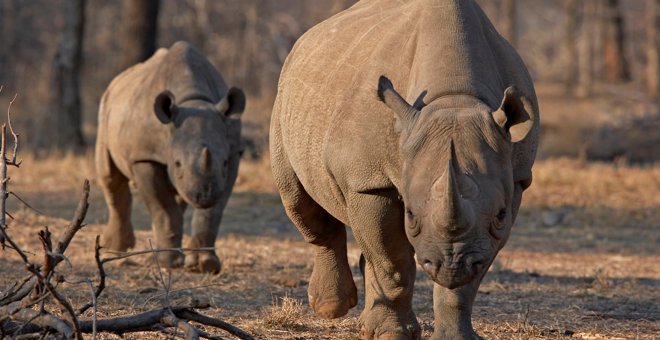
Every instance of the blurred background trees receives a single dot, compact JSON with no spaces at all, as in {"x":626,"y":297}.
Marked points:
{"x":138,"y":29}
{"x":591,"y":49}
{"x":65,"y":92}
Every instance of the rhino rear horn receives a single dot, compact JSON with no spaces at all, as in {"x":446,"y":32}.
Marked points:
{"x":405,"y":113}
{"x":165,"y":107}
{"x":514,"y":115}
{"x":233,"y":103}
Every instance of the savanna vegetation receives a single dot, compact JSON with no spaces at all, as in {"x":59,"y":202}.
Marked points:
{"x":583,"y":257}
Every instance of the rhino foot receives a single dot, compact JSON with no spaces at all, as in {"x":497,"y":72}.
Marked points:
{"x":205,"y":262}
{"x":379,"y":324}
{"x":170,"y":259}
{"x":441,"y":334}
{"x":117,"y":241}
{"x":331,"y":294}
{"x":393,"y":335}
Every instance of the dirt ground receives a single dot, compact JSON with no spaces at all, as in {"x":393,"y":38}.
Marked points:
{"x":583,"y":260}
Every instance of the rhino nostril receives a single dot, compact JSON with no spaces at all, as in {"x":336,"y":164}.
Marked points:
{"x":431,"y":268}
{"x":478,"y":264}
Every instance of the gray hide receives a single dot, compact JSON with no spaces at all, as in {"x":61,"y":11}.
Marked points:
{"x":172,"y":127}
{"x":416,"y":124}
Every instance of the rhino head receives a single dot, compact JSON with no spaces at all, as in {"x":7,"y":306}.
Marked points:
{"x":457,"y":179}
{"x":204,"y":141}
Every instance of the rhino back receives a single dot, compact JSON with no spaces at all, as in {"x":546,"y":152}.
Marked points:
{"x":127,"y":120}
{"x":335,"y":131}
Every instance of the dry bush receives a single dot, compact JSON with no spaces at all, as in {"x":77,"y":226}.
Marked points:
{"x":285,"y":312}
{"x":570,"y":182}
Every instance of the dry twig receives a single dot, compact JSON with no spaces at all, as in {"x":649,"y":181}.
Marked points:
{"x":17,"y":317}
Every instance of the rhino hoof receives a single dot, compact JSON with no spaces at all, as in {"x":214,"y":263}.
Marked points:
{"x":121,"y":242}
{"x":364,"y":334}
{"x":332,"y":309}
{"x":170,"y":259}
{"x":203,"y":263}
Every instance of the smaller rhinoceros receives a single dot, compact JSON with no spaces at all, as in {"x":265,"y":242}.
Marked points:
{"x":172,"y":127}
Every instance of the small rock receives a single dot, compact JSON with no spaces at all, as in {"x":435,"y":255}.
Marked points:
{"x":288,"y":281}
{"x":127,"y":263}
{"x":552,"y":218}
{"x":148,"y":290}
{"x":199,"y":302}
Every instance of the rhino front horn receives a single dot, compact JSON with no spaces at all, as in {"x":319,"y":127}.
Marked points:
{"x":454,"y":213}
{"x":205,"y":162}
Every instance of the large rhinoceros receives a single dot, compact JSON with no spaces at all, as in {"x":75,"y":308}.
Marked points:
{"x":435,"y":171}
{"x":172,"y":127}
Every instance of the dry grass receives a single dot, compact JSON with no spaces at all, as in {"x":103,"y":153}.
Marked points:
{"x":285,"y":313}
{"x":582,"y":261}
{"x":571,"y":182}
{"x":592,"y":275}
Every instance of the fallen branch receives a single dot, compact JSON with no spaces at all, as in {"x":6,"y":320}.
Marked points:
{"x":19,"y":319}
{"x":124,"y":255}
{"x":205,"y":320}
{"x":17,"y":316}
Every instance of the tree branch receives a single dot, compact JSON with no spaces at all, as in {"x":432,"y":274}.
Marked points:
{"x":77,"y":221}
{"x":205,"y":320}
{"x":101,"y":286}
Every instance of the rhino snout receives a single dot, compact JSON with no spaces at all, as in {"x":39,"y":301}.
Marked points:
{"x":207,"y":195}
{"x":453,"y":272}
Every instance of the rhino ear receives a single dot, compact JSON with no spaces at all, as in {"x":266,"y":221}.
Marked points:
{"x":514,"y":115}
{"x":233,"y":104}
{"x":405,"y":114}
{"x":165,"y":107}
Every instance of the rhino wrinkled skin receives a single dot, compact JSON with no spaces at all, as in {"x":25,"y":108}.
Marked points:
{"x":415,"y":123}
{"x":171,"y":126}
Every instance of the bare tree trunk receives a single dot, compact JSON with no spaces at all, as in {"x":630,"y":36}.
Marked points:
{"x":570,"y":43}
{"x":615,"y":64}
{"x":201,"y":25}
{"x":653,"y":48}
{"x":139,"y":30}
{"x":249,"y":63}
{"x":509,"y":18}
{"x":340,"y":5}
{"x":66,"y":77}
{"x":10,"y":10}
{"x":3,"y":37}
{"x":585,"y":50}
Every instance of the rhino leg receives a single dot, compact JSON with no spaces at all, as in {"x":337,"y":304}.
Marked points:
{"x":389,"y":270}
{"x":331,"y":290}
{"x":166,"y":214}
{"x":205,"y":225}
{"x":118,"y":233}
{"x":453,"y":311}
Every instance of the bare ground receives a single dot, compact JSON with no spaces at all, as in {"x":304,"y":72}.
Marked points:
{"x":583,"y":260}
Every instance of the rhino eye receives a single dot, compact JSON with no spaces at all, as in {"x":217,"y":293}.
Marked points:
{"x":501,"y":215}
{"x":409,"y":214}
{"x":177,"y":164}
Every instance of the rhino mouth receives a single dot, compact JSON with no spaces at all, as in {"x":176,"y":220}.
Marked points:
{"x":204,"y":203}
{"x":453,"y":275}
{"x":203,"y":198}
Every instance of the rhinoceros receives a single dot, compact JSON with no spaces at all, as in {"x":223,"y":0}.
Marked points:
{"x":416,"y":124}
{"x":171,"y":126}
